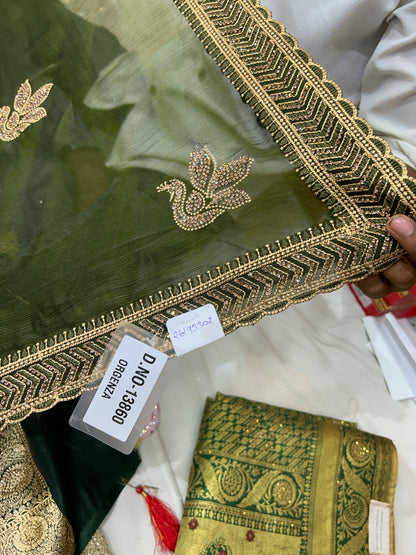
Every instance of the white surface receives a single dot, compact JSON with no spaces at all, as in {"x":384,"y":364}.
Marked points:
{"x":392,"y":357}
{"x":312,"y":357}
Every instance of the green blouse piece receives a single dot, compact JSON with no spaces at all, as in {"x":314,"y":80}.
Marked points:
{"x":143,"y":176}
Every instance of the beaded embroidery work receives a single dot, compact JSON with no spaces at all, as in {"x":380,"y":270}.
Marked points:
{"x":214,"y":189}
{"x":27,"y":110}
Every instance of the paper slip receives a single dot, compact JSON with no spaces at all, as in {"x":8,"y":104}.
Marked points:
{"x":379,"y":528}
{"x":194,"y":329}
{"x":395,"y":361}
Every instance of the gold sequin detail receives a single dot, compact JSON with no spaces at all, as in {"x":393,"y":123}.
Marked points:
{"x":359,"y":452}
{"x":97,"y":545}
{"x":26,"y":111}
{"x":213,"y":189}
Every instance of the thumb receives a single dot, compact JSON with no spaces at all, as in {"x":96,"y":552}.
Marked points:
{"x":403,"y":229}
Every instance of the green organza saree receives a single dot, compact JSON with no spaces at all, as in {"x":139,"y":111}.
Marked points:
{"x":136,"y":183}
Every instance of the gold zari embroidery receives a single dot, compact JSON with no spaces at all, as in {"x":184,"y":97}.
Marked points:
{"x":335,"y":153}
{"x":30,"y":521}
{"x":26,"y":111}
{"x":214,"y":189}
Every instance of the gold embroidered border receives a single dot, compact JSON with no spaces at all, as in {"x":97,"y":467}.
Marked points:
{"x":251,"y":49}
{"x":349,"y":169}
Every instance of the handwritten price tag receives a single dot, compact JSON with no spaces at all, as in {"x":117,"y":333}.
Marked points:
{"x":194,"y":329}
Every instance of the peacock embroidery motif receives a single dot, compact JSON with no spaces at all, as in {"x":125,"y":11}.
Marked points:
{"x":213,"y":189}
{"x":26,"y":111}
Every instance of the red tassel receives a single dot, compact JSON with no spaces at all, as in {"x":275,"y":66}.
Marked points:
{"x":164,"y":522}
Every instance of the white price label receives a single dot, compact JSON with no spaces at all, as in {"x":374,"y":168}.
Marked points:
{"x":194,"y":329}
{"x":379,"y":528}
{"x":125,"y":388}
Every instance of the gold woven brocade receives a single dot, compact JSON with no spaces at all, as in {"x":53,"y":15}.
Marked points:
{"x":30,"y":521}
{"x":266,"y":480}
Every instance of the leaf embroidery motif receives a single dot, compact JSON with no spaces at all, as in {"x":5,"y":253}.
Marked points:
{"x":213,"y":189}
{"x":27,"y":110}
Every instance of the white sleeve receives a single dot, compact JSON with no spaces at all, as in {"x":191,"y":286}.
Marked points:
{"x":388,"y":95}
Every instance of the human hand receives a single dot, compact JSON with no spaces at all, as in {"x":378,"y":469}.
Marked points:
{"x":402,"y":275}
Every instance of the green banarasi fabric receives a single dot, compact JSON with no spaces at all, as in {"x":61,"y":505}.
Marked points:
{"x":272,"y":480}
{"x":147,"y":170}
{"x":30,"y":521}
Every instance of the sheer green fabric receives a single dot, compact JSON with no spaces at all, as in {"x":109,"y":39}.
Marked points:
{"x":137,"y":184}
{"x":83,"y":228}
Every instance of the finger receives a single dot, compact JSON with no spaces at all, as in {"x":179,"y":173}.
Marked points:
{"x":403,"y":229}
{"x":401,"y":276}
{"x":374,"y":286}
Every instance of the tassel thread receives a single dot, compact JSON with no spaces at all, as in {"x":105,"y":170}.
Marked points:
{"x":164,"y":522}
